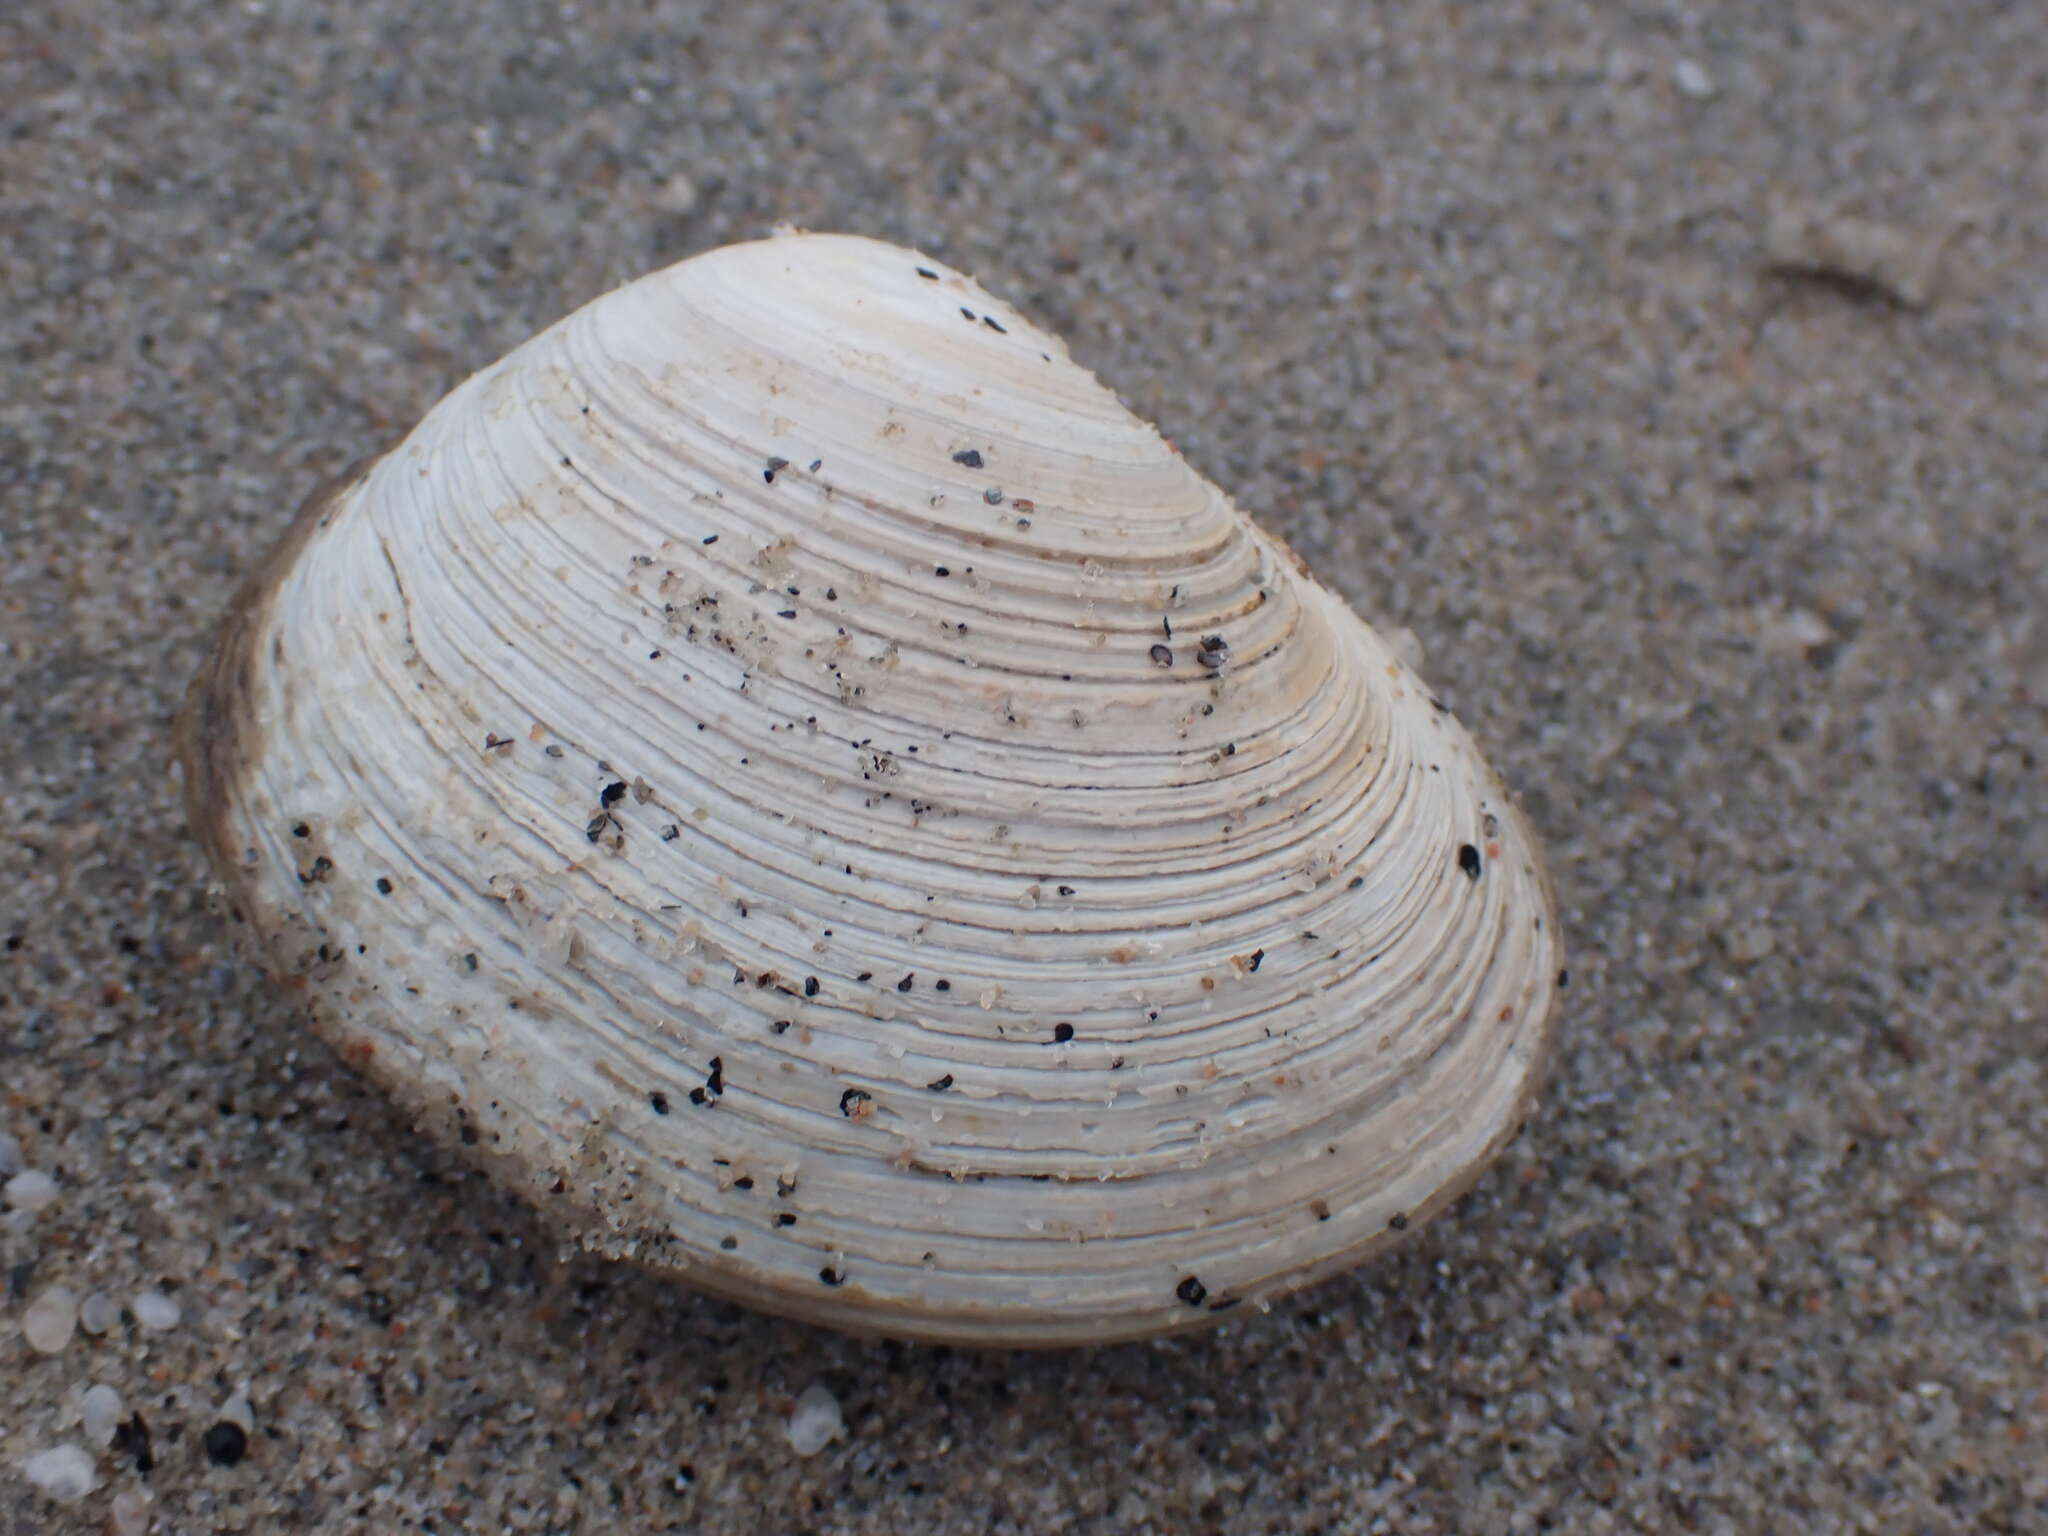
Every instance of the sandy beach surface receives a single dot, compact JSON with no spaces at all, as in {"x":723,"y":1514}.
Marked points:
{"x":1676,"y":374}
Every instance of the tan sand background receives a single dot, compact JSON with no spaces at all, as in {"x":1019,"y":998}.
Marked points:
{"x":1738,"y":574}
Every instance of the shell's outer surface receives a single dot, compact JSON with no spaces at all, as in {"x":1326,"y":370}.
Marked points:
{"x":807,"y":787}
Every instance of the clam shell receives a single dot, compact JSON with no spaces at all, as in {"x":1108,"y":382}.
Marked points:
{"x":800,"y":782}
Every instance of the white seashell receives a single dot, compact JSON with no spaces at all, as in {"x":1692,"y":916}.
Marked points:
{"x":640,"y":789}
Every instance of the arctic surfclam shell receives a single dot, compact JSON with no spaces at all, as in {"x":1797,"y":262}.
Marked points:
{"x":804,"y":785}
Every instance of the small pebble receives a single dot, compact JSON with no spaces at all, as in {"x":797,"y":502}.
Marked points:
{"x":130,"y":1512}
{"x":47,"y":1322}
{"x":676,"y":195}
{"x":1748,"y":941}
{"x":157,"y":1312}
{"x":31,"y":1190}
{"x":10,"y":1156}
{"x":99,"y":1412}
{"x":98,"y":1312}
{"x":63,"y":1473}
{"x":226,"y":1443}
{"x":1691,"y":77}
{"x":237,"y":1411}
{"x":815,"y":1422}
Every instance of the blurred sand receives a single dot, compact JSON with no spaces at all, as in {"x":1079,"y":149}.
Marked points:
{"x":1737,"y":574}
